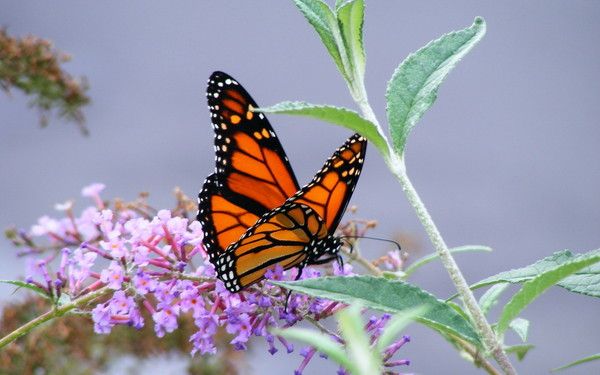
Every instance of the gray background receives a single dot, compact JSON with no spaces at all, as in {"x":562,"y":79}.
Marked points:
{"x":507,"y":157}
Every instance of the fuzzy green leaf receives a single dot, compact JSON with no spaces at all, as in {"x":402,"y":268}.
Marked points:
{"x":519,"y":350}
{"x":367,"y":361}
{"x":23,"y":284}
{"x":536,"y":286}
{"x":585,"y":281}
{"x":521,"y":327}
{"x":591,"y":358}
{"x":414,"y":85}
{"x":323,"y":20}
{"x":490,"y":298}
{"x":391,"y":296}
{"x":350,"y":15}
{"x":321,"y":342}
{"x":431,"y":257}
{"x":335,"y":115}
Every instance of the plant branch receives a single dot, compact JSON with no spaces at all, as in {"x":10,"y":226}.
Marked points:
{"x":398,"y":168}
{"x":55,"y":312}
{"x":476,"y":355}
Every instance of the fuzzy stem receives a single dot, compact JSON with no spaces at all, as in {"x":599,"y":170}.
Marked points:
{"x":398,"y":169}
{"x":478,"y":359}
{"x":55,"y":312}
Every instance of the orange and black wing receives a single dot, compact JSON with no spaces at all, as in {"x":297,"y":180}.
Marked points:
{"x":281,"y":237}
{"x":251,"y":163}
{"x":223,"y":221}
{"x":301,"y":230}
{"x":330,"y":190}
{"x":252,"y":174}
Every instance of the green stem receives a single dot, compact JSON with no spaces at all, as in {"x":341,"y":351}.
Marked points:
{"x":431,"y":257}
{"x":398,"y":168}
{"x":55,"y":312}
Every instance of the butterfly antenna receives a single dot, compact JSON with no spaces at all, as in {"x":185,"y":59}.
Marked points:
{"x":372,"y":238}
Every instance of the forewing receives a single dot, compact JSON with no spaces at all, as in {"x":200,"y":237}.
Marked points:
{"x":330,"y":190}
{"x":251,"y":163}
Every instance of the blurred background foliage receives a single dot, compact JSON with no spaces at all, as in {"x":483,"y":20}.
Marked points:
{"x":32,"y":65}
{"x":70,"y":346}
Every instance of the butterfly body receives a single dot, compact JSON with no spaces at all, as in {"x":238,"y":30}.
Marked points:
{"x":253,"y":213}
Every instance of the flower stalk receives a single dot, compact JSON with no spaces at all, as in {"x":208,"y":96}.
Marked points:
{"x":54,"y":313}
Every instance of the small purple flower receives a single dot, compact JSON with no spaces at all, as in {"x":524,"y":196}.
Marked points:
{"x":165,"y":320}
{"x":143,"y":283}
{"x":115,"y":247}
{"x":274,"y":273}
{"x":135,"y":318}
{"x":120,"y":303}
{"x":177,"y":225}
{"x":46,"y":225}
{"x":240,"y":327}
{"x":113,"y":276}
{"x":84,"y":260}
{"x":191,"y":300}
{"x":203,"y":343}
{"x":92,"y":189}
{"x":394,"y":261}
{"x":140,"y":256}
{"x":346,"y":270}
{"x":101,"y":317}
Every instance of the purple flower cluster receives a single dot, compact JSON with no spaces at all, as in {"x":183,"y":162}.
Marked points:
{"x":158,"y":264}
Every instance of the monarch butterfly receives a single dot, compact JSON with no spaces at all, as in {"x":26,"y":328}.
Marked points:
{"x":252,"y":211}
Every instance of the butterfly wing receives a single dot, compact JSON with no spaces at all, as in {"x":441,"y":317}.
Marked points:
{"x":222,"y":220}
{"x":251,"y":163}
{"x":300,"y":231}
{"x":252,"y":174}
{"x":330,"y":190}
{"x":280,"y":238}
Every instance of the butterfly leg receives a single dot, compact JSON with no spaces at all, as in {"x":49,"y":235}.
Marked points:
{"x":289,"y":293}
{"x":327,"y":260}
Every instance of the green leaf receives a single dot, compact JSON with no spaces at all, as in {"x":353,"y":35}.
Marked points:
{"x":335,"y":115}
{"x":585,"y":281}
{"x":350,"y":15}
{"x":536,"y":286}
{"x":591,"y":358}
{"x":519,"y":350}
{"x":391,"y":296}
{"x":490,"y":298}
{"x":521,"y":327}
{"x":23,"y":284}
{"x":459,"y":309}
{"x":322,"y":19}
{"x":367,"y":360}
{"x":431,"y":257}
{"x":396,"y":325}
{"x":321,"y":342}
{"x":414,"y":85}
